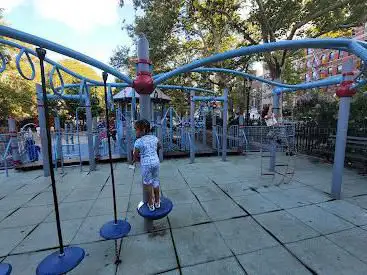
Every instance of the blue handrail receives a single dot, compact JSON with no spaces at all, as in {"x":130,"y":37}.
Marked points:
{"x":46,"y":44}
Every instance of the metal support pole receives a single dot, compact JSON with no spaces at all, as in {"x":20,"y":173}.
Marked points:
{"x":214,"y":130}
{"x":88,"y":113}
{"x":59,"y":157}
{"x":160,"y":137}
{"x":342,"y":132}
{"x":192,"y":127}
{"x":120,"y":129}
{"x":170,"y":128}
{"x":43,"y":135}
{"x":14,"y":141}
{"x":145,"y":112}
{"x":273,"y":144}
{"x":67,"y":137}
{"x":41,"y":55}
{"x":128,"y":139}
{"x":225,"y":118}
{"x":204,"y":130}
{"x":105,"y":75}
{"x":71,"y":128}
{"x":133,"y":105}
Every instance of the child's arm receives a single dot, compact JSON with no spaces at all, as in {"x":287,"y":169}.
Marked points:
{"x":159,"y":146}
{"x":136,"y":155}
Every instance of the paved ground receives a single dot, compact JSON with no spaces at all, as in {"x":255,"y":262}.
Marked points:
{"x":226,"y":220}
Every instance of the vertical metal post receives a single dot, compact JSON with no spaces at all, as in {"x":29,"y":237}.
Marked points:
{"x":95,"y":137}
{"x":43,"y":135}
{"x":192,"y":127}
{"x":214,"y":130}
{"x":170,"y":128}
{"x":133,"y":105}
{"x":225,"y":118}
{"x":144,"y":102}
{"x":105,"y":75}
{"x":128,"y":139}
{"x":58,"y":141}
{"x":41,"y":55}
{"x":71,"y":128}
{"x":66,"y":125}
{"x":342,"y":132}
{"x":159,"y":130}
{"x":273,"y":144}
{"x":89,"y":118}
{"x":204,"y":130}
{"x":14,"y":140}
{"x":119,"y":128}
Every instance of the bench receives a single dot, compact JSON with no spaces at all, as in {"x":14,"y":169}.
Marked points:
{"x":355,"y":153}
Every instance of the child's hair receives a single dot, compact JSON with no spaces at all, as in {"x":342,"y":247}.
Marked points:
{"x":143,"y":125}
{"x":265,"y":111}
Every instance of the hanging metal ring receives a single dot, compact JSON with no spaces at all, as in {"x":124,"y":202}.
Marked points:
{"x":17,"y":63}
{"x":52,"y":72}
{"x":3,"y":63}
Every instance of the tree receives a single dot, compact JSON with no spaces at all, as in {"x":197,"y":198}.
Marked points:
{"x":250,"y":22}
{"x":184,"y":31}
{"x":273,"y":20}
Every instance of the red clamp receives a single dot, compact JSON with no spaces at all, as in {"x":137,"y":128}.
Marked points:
{"x":345,"y":89}
{"x":144,"y":61}
{"x":143,"y":83}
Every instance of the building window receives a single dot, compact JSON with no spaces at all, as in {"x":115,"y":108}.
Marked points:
{"x":323,"y":59}
{"x":340,"y":69}
{"x":330,"y":71}
{"x":315,"y":75}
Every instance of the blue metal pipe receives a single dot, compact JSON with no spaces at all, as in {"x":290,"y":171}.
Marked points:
{"x":209,"y":98}
{"x":338,"y":43}
{"x":35,"y":40}
{"x":184,"y":88}
{"x":333,"y":80}
{"x":66,"y":70}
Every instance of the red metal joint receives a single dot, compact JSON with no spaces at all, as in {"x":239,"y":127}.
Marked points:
{"x":143,"y":83}
{"x":144,"y":61}
{"x":345,"y":89}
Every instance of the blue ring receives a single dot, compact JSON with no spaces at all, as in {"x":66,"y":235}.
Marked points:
{"x":52,"y":72}
{"x":17,"y":64}
{"x":3,"y":63}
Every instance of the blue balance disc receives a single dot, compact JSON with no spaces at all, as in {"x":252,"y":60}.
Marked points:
{"x":166,"y":207}
{"x":5,"y":269}
{"x":56,"y":264}
{"x":114,"y":231}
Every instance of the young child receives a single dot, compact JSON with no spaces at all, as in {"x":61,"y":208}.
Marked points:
{"x":146,"y":147}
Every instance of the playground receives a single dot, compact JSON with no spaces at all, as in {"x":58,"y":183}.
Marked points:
{"x":226,"y":219}
{"x":235,"y":198}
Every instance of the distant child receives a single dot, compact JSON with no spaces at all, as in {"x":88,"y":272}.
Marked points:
{"x":146,"y":147}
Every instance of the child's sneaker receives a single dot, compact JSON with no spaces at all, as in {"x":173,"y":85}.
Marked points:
{"x":157,"y":205}
{"x":151,"y":207}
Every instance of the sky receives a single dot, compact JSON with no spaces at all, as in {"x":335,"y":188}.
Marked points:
{"x":92,"y":27}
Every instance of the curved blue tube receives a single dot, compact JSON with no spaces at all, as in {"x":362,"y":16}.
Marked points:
{"x":3,"y":63}
{"x":51,"y":76}
{"x":185,"y":88}
{"x":32,"y":52}
{"x":333,"y":80}
{"x":35,"y":40}
{"x":17,"y":64}
{"x":338,"y":43}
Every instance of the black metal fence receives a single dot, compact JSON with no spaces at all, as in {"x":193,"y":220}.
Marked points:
{"x":320,"y":141}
